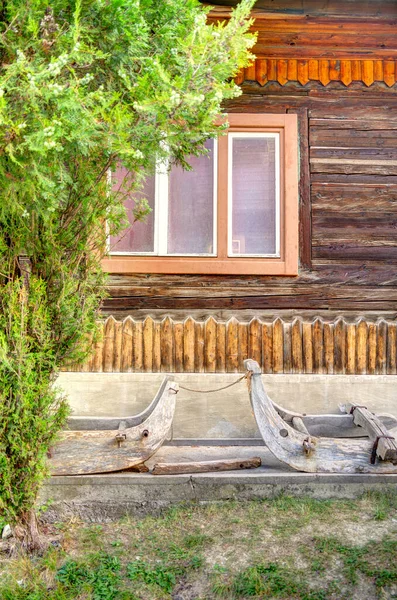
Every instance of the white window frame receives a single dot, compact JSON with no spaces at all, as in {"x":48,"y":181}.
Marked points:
{"x":266,"y":135}
{"x":161,"y":215}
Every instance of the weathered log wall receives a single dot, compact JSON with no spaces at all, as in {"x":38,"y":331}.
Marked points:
{"x":348,"y":218}
{"x":217,"y":346}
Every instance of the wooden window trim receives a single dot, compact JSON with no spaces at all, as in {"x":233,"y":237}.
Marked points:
{"x":287,"y":264}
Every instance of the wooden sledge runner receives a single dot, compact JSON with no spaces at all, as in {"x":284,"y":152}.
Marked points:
{"x":103,"y":445}
{"x":289,"y":436}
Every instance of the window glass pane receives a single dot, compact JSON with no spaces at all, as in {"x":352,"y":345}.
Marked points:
{"x":191,"y":206}
{"x":254,"y":193}
{"x":139,"y":237}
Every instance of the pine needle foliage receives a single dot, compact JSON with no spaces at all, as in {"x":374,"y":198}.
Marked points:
{"x":85,"y":85}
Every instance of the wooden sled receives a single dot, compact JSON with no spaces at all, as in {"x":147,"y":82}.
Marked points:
{"x":290,"y":436}
{"x":103,"y":445}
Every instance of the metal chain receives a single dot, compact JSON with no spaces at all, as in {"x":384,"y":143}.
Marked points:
{"x":217,"y":389}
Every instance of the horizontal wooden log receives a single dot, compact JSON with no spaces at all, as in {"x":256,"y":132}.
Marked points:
{"x":353,"y":198}
{"x":206,"y":466}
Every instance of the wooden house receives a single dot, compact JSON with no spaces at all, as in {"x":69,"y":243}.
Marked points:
{"x":286,"y":248}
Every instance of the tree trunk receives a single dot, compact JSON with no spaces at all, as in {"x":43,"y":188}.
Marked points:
{"x":27,"y":533}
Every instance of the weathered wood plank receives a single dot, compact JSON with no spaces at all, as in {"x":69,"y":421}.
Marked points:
{"x":372,"y":348}
{"x":329,"y":349}
{"x":307,"y":347}
{"x":167,"y":345}
{"x":156,"y":364}
{"x":118,"y":349}
{"x":296,"y":346}
{"x":382,"y":347}
{"x":267,"y":348}
{"x":340,"y":346}
{"x":287,"y":358}
{"x":255,"y":340}
{"x":127,"y":345}
{"x":318,"y":346}
{"x":361,"y":348}
{"x":242,"y":344}
{"x":391,"y":357}
{"x":147,"y":338}
{"x":188,"y":345}
{"x":210,"y":345}
{"x":278,"y":346}
{"x":221,"y":347}
{"x":200,"y":348}
{"x":138,"y":347}
{"x":206,"y":466}
{"x":232,"y":361}
{"x":178,"y":340}
{"x":108,"y":347}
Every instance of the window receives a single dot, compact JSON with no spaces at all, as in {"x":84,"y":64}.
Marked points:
{"x":236,"y":212}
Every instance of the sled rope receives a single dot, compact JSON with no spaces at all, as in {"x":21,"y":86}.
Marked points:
{"x":225,"y":387}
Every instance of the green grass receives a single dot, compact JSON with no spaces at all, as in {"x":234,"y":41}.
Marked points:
{"x":286,"y":548}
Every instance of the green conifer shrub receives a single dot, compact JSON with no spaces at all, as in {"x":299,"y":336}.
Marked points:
{"x":84,"y":85}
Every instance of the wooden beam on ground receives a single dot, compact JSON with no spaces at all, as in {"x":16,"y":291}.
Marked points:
{"x":206,"y":466}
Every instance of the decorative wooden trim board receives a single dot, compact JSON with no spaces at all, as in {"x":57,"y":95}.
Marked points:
{"x":215,"y":346}
{"x":283,"y":70}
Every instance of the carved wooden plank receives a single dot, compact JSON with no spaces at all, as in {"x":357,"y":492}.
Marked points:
{"x":329,"y":348}
{"x":147,"y":340}
{"x":282,"y":70}
{"x":361,"y":348}
{"x":287,"y":356}
{"x":351,"y":348}
{"x":167,"y":345}
{"x":188,"y":345}
{"x":318,"y":346}
{"x":313,"y":70}
{"x":389,"y":72}
{"x":372,"y":350}
{"x":382,"y":347}
{"x":127,"y":343}
{"x":340,"y":346}
{"x":261,"y":71}
{"x":232,"y":346}
{"x":324,"y":72}
{"x":199,"y":348}
{"x":391,"y":348}
{"x":255,"y":340}
{"x":221,"y":347}
{"x":267,"y":348}
{"x":208,"y":466}
{"x":303,"y":72}
{"x":307,"y":347}
{"x":156,"y":365}
{"x":278,"y":346}
{"x":97,"y":360}
{"x":138,"y":347}
{"x":108,"y":349}
{"x":368,"y":72}
{"x":210,"y":345}
{"x":118,"y":335}
{"x":242,"y":345}
{"x":178,"y":340}
{"x":296,"y":346}
{"x":292,"y":69}
{"x":346,"y":72}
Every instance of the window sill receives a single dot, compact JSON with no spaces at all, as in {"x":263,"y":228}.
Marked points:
{"x":202,"y":266}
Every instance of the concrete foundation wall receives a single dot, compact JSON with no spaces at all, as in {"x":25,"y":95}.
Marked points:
{"x":224,"y":414}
